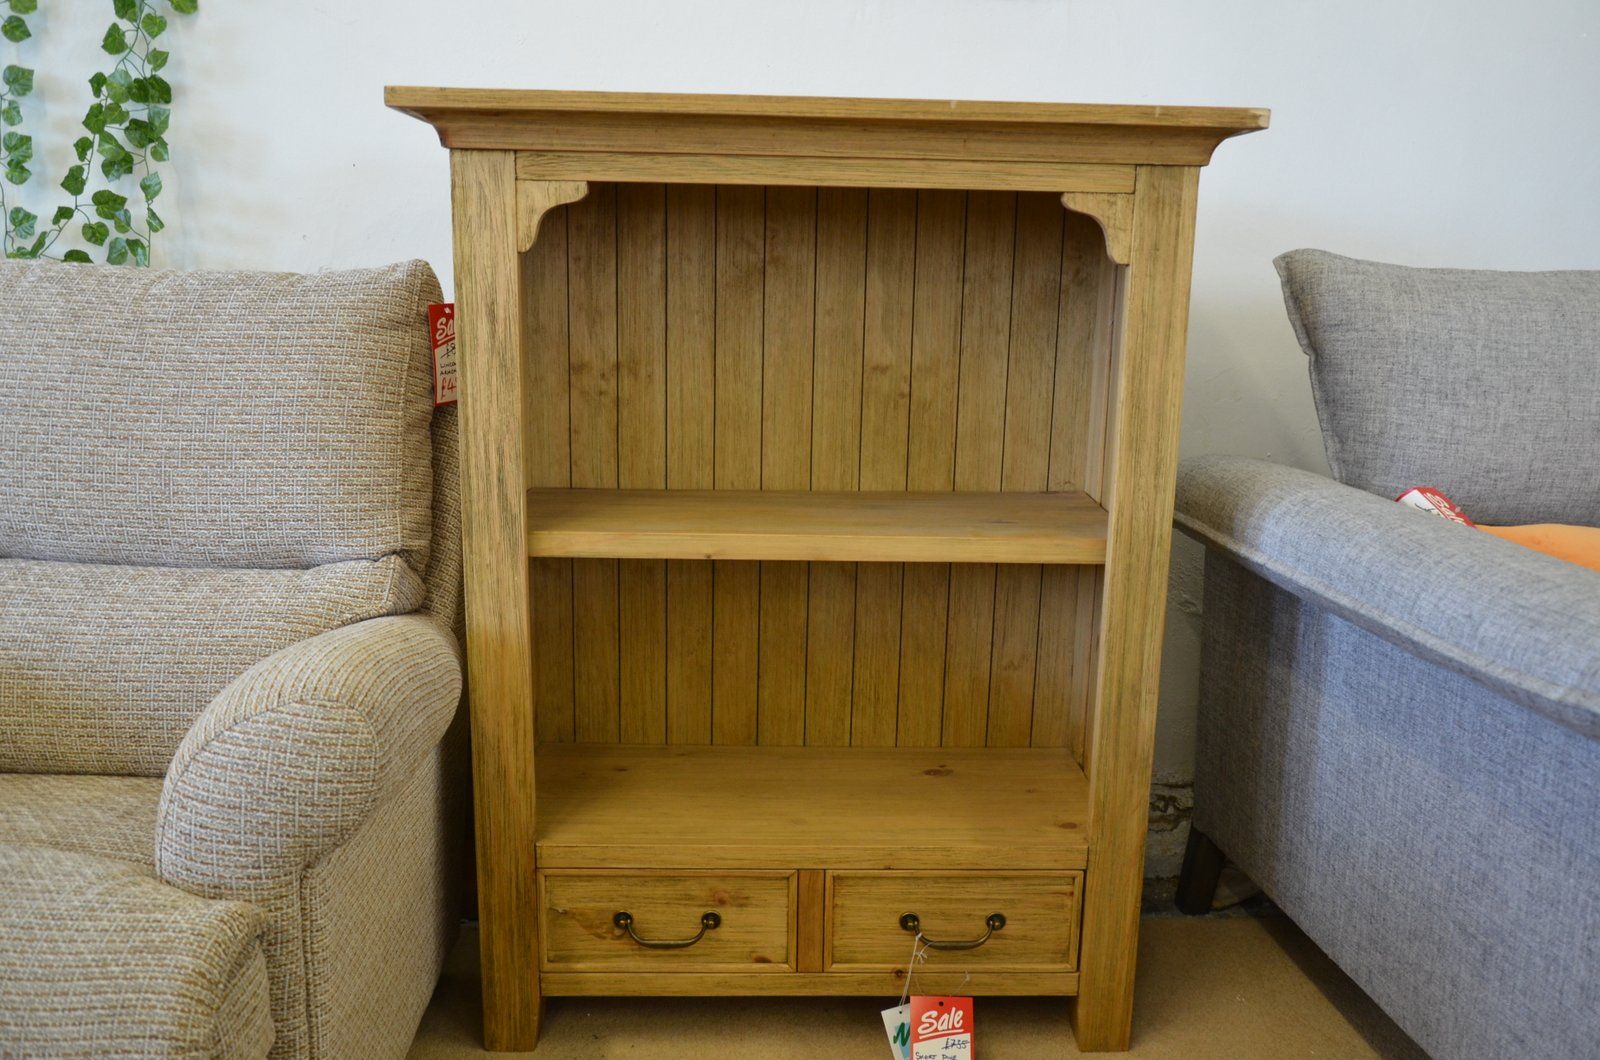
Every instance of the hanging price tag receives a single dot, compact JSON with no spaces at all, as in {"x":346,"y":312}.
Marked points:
{"x":442,"y":331}
{"x":897,"y":1025}
{"x":941,"y":1028}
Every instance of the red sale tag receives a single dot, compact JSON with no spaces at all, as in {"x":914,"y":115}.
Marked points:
{"x":941,"y":1028}
{"x":442,"y":329}
{"x":1428,"y":499}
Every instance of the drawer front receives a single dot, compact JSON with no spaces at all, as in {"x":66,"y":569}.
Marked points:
{"x":578,"y":911}
{"x":1042,"y":912}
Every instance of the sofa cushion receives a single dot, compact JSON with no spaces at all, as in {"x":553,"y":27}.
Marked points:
{"x":215,"y":419}
{"x":98,"y":959}
{"x":104,"y":668}
{"x":111,"y":817}
{"x":1479,"y":383}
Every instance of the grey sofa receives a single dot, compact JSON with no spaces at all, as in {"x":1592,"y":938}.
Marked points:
{"x":1400,"y":717}
{"x":229,"y":591}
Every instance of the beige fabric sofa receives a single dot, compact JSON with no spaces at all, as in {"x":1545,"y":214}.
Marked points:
{"x":230,"y":812}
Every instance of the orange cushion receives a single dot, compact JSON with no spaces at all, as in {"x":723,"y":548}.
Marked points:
{"x":1575,"y":544}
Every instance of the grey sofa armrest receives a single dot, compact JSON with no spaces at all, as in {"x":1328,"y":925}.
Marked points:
{"x":292,"y":757}
{"x":1524,"y":624}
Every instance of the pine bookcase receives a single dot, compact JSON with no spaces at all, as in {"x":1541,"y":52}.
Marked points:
{"x":818,"y":461}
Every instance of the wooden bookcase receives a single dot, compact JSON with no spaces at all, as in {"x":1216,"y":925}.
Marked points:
{"x":818,"y":462}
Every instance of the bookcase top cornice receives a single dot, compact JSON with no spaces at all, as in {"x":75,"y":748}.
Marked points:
{"x":538,"y":120}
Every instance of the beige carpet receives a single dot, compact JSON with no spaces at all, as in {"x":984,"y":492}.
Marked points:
{"x":1223,"y":987}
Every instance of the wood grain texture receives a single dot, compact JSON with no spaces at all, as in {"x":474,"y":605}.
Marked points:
{"x":844,"y":129}
{"x":842,"y":526}
{"x":1144,"y":440}
{"x":754,"y":938}
{"x":736,"y":337}
{"x":826,"y":984}
{"x":1040,"y":933}
{"x":641,"y":295}
{"x":812,"y":368}
{"x":537,"y":197}
{"x":765,"y":807}
{"x":499,"y":649}
{"x":691,"y":445}
{"x":547,"y":462}
{"x":740,"y":280}
{"x":1113,"y":212}
{"x":855,"y":173}
{"x":810,"y":919}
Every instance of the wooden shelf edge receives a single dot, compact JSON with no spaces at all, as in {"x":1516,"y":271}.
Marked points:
{"x":843,"y":527}
{"x":761,"y":808}
{"x":806,"y":984}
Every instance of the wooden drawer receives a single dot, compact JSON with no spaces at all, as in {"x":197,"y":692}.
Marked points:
{"x":1041,"y":910}
{"x":578,"y":931}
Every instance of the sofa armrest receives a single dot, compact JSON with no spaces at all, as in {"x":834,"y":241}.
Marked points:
{"x":291,"y":758}
{"x":1524,"y":624}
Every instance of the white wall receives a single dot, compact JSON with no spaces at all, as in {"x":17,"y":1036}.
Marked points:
{"x":1465,"y":133}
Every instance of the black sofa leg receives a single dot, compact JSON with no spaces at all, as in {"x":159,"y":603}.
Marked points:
{"x":1202,"y":867}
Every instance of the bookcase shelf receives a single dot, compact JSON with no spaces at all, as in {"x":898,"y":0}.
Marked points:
{"x":847,"y":527}
{"x":682,"y":807}
{"x":691,"y":329}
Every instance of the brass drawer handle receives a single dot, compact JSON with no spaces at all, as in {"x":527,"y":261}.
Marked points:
{"x":708,"y":922}
{"x":913,"y":923}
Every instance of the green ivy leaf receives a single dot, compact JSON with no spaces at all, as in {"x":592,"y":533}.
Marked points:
{"x":116,"y":168}
{"x":138,"y":133}
{"x":24,"y":7}
{"x":153,"y":221}
{"x":122,"y":221}
{"x":185,"y":7}
{"x":151,"y":186}
{"x":10,"y":113}
{"x":160,"y":91}
{"x":158,"y":151}
{"x":75,"y":181}
{"x":153,"y":25}
{"x":118,"y":92}
{"x":159,"y":118}
{"x":157,"y":58}
{"x":127,"y":10}
{"x":63,"y":215}
{"x":94,"y":119}
{"x":23,"y":222}
{"x":117,"y":251}
{"x":109,"y":198}
{"x":15,"y":143}
{"x":80,"y":256}
{"x":140,"y":252}
{"x":115,"y":114}
{"x":115,"y":42}
{"x":97,"y":84}
{"x":96,"y":233}
{"x":81,"y":147}
{"x":14,"y":29}
{"x":110,"y":146}
{"x":17,"y":173}
{"x":18,"y":79}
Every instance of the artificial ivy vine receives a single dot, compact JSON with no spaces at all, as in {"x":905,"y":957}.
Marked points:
{"x":126,"y":127}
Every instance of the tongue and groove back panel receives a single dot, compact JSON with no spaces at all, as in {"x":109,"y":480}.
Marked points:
{"x":740,"y":337}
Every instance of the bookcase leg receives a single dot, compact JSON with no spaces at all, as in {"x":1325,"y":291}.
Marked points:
{"x":1143,"y":461}
{"x":499,"y":670}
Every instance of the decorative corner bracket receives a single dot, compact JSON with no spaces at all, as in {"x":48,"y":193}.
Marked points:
{"x":1114,"y":214}
{"x":535,"y":198}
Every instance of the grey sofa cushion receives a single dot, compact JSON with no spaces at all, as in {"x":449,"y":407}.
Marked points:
{"x":103,"y":669}
{"x":1480,"y":383}
{"x":215,"y":419}
{"x":99,"y":959}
